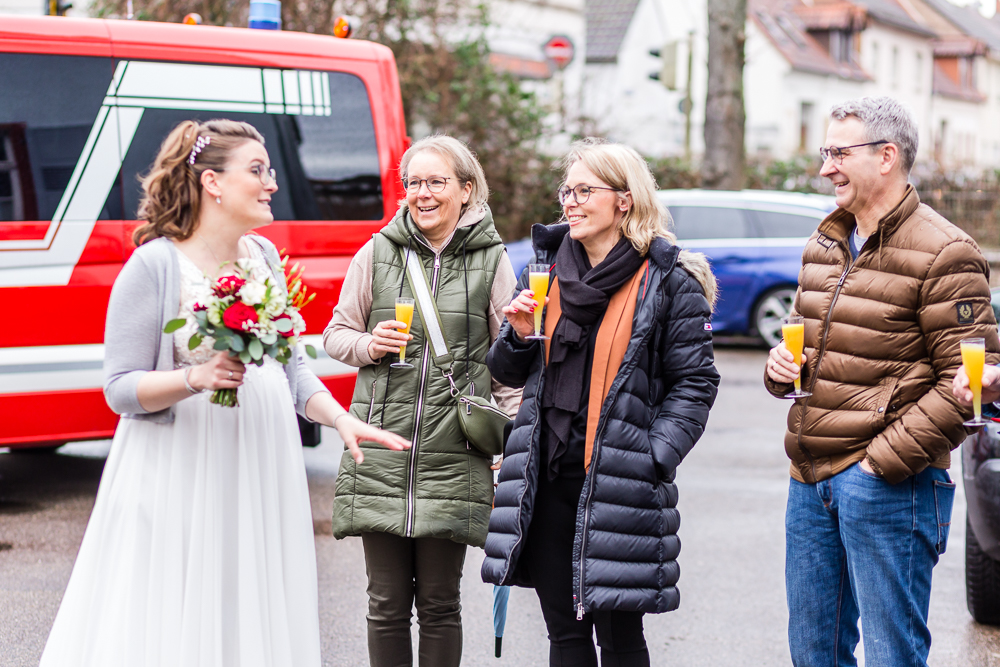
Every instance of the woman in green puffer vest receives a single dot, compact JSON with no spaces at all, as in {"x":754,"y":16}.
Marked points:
{"x":416,"y":511}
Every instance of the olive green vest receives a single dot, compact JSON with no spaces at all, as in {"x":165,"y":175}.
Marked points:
{"x":441,"y":487}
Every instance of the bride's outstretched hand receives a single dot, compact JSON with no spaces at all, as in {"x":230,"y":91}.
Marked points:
{"x":353,"y":431}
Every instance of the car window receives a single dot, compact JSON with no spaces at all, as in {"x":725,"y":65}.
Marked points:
{"x":709,"y":222}
{"x":773,"y":224}
{"x":48,"y":105}
{"x":327,"y":164}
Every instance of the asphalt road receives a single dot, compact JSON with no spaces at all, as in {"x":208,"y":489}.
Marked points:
{"x":732,"y":495}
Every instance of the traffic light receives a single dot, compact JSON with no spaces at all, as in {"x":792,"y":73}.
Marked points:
{"x":56,"y":8}
{"x":668,"y":65}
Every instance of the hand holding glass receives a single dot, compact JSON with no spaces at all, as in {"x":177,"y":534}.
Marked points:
{"x":974,"y":360}
{"x":793,"y":331}
{"x":538,"y":282}
{"x":404,"y":313}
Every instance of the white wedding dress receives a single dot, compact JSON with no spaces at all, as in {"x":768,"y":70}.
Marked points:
{"x":199,"y":551}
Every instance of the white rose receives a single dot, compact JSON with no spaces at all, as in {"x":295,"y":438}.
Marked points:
{"x":252,"y":293}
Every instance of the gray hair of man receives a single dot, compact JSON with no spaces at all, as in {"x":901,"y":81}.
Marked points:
{"x":885,"y":119}
{"x":462,"y":161}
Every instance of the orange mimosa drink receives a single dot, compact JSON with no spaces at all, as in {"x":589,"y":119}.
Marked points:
{"x":974,"y":359}
{"x":404,"y":313}
{"x":794,"y":335}
{"x":538,"y":282}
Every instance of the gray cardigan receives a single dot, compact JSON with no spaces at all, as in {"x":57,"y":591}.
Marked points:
{"x":147,"y":295}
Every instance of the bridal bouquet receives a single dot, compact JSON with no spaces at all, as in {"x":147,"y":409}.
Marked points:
{"x":251,"y":317}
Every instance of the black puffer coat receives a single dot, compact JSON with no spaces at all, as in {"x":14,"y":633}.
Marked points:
{"x":626,"y":544}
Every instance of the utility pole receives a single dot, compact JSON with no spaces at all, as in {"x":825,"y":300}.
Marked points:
{"x":689,"y":99}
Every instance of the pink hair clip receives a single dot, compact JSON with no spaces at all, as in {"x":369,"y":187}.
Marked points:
{"x":199,"y":145}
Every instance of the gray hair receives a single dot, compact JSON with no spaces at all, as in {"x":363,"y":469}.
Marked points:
{"x":462,"y":161}
{"x":885,"y":119}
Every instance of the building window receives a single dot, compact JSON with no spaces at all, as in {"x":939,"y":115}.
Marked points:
{"x":805,"y":122}
{"x":894,"y":64}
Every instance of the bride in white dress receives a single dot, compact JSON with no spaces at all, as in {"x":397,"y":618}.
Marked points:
{"x":199,"y":551}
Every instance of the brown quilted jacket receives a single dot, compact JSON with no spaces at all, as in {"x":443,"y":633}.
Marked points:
{"x":882,"y":343}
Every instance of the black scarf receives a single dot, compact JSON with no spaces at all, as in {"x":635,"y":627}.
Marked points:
{"x":584,"y":293}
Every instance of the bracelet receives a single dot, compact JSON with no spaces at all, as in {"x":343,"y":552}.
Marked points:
{"x":187,"y":383}
{"x":875,"y":466}
{"x":334,"y":424}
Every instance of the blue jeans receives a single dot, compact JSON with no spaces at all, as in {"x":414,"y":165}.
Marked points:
{"x":856,"y":545}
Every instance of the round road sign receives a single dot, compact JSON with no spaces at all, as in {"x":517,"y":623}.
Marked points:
{"x":559,"y":49}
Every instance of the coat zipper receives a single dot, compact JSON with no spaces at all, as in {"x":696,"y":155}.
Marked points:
{"x":371,"y":408}
{"x":590,"y":492}
{"x":820,"y":355}
{"x":411,"y":481}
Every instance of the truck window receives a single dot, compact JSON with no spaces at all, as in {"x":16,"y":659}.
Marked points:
{"x":48,"y":105}
{"x":327,"y":165}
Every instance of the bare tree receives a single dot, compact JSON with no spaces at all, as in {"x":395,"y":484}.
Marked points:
{"x":723,"y":167}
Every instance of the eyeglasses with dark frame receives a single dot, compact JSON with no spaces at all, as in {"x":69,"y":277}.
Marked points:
{"x":838,"y":154}
{"x":435,"y":184}
{"x":580,"y":193}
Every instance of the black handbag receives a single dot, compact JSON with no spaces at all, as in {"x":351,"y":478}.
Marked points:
{"x":483,"y":424}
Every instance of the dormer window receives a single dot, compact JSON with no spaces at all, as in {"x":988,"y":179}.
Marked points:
{"x":840,"y":44}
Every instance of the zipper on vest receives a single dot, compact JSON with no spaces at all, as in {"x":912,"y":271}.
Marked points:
{"x":371,"y":408}
{"x":819,"y":358}
{"x":411,"y":480}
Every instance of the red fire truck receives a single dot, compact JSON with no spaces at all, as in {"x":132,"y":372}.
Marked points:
{"x":84,"y":105}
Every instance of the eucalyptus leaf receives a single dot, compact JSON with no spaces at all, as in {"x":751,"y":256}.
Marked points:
{"x":236,"y":343}
{"x":221,"y":344}
{"x":174,"y":325}
{"x":194,"y":341}
{"x":245,"y":356}
{"x":284,"y":325}
{"x":311,"y":351}
{"x":256,"y":348}
{"x":269,"y":339}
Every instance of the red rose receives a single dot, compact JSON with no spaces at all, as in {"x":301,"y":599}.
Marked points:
{"x":228,"y":286}
{"x":198,"y":307}
{"x":236,"y":316}
{"x":290,"y":332}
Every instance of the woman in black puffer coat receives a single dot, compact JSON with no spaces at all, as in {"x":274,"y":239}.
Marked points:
{"x":585,"y":511}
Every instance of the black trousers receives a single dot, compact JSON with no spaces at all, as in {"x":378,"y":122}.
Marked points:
{"x":403,"y":571}
{"x":547,"y":558}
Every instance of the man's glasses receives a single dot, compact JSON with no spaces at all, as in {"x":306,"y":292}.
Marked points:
{"x":436,"y":184}
{"x":838,"y":153}
{"x":580,"y":193}
{"x":265,"y":174}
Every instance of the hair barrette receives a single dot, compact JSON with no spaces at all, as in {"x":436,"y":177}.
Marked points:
{"x":199,"y":145}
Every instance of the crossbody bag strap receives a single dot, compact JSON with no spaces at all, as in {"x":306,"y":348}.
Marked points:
{"x":429,"y":315}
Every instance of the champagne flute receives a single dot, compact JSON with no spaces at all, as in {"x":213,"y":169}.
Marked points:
{"x":404,"y":313}
{"x":793,"y":331}
{"x":974,"y":359}
{"x":538,"y":282}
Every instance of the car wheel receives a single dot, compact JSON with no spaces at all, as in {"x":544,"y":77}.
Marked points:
{"x":768,"y":313}
{"x":982,"y":581}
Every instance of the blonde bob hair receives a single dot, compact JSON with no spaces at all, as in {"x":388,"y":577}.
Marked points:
{"x":647,"y":218}
{"x":171,"y":191}
{"x":622,"y":168}
{"x":461,"y":160}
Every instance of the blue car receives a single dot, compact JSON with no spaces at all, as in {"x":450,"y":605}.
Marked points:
{"x":754,"y":241}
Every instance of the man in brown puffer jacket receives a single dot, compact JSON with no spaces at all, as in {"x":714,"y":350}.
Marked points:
{"x":888,"y":289}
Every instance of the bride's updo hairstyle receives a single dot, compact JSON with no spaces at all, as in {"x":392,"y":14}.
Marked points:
{"x":171,"y":196}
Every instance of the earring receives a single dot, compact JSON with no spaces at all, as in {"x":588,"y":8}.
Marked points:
{"x":218,"y":200}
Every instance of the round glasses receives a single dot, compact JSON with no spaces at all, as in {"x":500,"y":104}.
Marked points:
{"x":436,"y":184}
{"x":265,"y":174}
{"x":580,"y":193}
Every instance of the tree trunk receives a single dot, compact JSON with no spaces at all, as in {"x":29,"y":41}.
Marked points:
{"x":725,"y":117}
